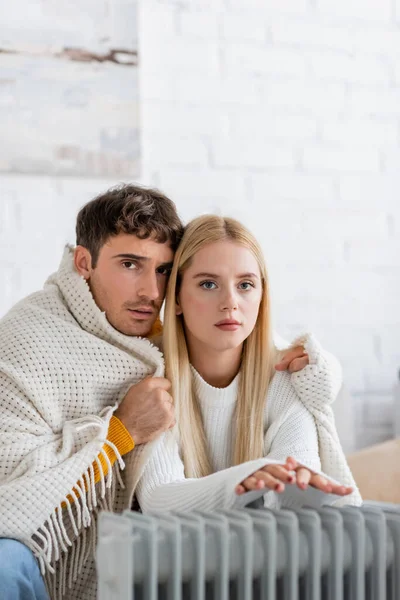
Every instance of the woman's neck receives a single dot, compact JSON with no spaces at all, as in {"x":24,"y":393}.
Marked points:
{"x":218,"y":368}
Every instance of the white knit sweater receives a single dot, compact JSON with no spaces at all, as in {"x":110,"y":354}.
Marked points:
{"x":298,"y":422}
{"x":63,"y":370}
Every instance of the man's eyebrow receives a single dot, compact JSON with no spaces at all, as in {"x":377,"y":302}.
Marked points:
{"x":131,"y":256}
{"x":215,"y":276}
{"x":167,"y":265}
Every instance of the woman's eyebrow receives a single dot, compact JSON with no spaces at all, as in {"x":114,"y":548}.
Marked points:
{"x":244,"y":275}
{"x":215,"y":276}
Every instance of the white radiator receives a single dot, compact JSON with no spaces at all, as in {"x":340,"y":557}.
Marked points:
{"x":325,"y":554}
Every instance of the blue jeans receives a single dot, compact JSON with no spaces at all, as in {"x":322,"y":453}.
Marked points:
{"x":20,"y":577}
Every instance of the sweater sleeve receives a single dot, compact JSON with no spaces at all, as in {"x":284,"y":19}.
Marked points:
{"x":119,"y":437}
{"x":296,"y":436}
{"x":163,"y":486}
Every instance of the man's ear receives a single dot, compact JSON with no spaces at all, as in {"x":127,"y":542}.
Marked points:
{"x":83,"y":261}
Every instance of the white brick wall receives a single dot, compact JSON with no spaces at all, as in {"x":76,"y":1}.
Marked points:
{"x":285,"y":113}
{"x":381,"y":11}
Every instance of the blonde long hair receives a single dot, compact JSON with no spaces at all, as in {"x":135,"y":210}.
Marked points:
{"x":258,"y":356}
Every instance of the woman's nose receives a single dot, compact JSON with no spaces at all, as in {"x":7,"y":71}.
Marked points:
{"x":229,"y":303}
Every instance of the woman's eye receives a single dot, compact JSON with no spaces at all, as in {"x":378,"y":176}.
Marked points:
{"x":208,"y":285}
{"x":246,"y":285}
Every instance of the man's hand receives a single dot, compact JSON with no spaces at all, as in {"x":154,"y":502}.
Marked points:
{"x":294,"y":360}
{"x":274,"y":477}
{"x":147,"y":409}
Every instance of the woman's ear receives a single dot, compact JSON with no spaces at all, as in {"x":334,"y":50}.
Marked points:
{"x":178,"y":310}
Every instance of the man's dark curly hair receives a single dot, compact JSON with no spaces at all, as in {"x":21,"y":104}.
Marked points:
{"x":141,"y":211}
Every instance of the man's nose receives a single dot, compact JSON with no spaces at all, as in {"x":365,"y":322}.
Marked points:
{"x":149,"y":287}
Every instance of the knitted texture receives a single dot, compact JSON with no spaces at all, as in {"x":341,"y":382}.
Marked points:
{"x":63,"y":369}
{"x":298,"y":422}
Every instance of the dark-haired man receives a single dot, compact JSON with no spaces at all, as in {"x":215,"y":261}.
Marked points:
{"x":68,"y":355}
{"x":80,"y":388}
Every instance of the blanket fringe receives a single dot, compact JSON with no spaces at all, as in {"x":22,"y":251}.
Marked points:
{"x":67,"y":540}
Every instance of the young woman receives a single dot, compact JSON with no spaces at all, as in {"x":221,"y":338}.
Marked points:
{"x":243,"y":429}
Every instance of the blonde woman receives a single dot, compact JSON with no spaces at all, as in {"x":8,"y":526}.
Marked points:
{"x":243,"y":429}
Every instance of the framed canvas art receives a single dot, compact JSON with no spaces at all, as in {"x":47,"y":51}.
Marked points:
{"x":69,"y":88}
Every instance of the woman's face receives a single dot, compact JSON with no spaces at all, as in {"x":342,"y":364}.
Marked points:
{"x":220,"y":296}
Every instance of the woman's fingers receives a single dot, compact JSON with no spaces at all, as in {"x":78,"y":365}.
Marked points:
{"x":260,"y":480}
{"x":321,"y":483}
{"x":274,"y":477}
{"x":291,"y":463}
{"x":267,"y":480}
{"x":253,"y":483}
{"x":279,"y":472}
{"x":303,"y":477}
{"x":341,"y":490}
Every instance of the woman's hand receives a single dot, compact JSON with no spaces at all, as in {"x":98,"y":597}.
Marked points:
{"x":274,"y":477}
{"x":271,"y":477}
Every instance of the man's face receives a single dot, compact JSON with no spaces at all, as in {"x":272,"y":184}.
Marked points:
{"x":129,"y":281}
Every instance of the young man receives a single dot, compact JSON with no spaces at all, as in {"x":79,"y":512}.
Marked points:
{"x":80,"y":388}
{"x":69,"y":355}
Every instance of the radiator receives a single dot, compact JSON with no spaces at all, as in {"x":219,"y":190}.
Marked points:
{"x":325,"y":554}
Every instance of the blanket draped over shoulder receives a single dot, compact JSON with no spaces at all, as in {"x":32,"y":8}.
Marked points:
{"x":63,"y":369}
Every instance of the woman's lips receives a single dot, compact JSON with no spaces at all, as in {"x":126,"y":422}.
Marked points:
{"x":228,"y":325}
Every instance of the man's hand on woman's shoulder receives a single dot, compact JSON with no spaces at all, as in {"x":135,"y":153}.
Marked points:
{"x":293,"y":360}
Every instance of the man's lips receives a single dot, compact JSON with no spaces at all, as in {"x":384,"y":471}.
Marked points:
{"x":228,"y":325}
{"x":142,"y":313}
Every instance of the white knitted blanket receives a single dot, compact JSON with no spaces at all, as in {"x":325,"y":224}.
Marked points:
{"x":317,"y":394}
{"x":63,"y":369}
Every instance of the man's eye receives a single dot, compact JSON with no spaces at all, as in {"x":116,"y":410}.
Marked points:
{"x":208,"y":285}
{"x":164,"y":271}
{"x":128,"y":264}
